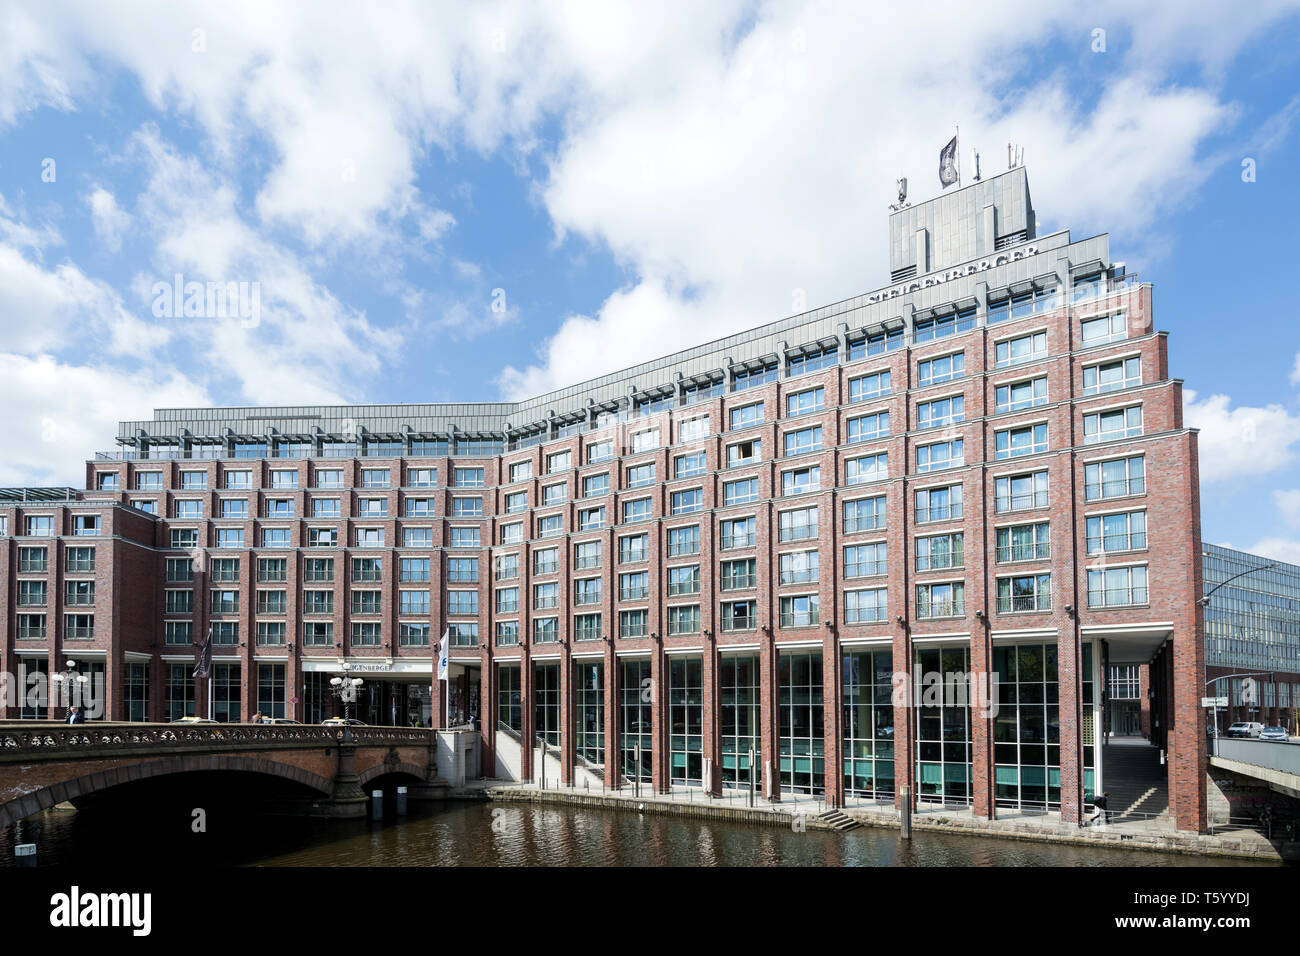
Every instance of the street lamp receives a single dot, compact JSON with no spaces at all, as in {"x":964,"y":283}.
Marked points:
{"x":68,"y":679}
{"x":346,"y":689}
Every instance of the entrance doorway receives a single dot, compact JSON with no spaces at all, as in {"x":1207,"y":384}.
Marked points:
{"x":1125,"y":718}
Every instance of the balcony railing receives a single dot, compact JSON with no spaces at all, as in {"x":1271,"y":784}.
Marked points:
{"x":1021,"y":502}
{"x":1117,"y":488}
{"x":633,"y":594}
{"x":797,"y":533}
{"x":741,"y":623}
{"x":78,"y":633}
{"x":939,"y":513}
{"x":799,"y":619}
{"x":1032,"y":551}
{"x":738,"y":582}
{"x":1014,"y":603}
{"x":1105,"y":543}
{"x":1117,"y":597}
{"x":744,"y":540}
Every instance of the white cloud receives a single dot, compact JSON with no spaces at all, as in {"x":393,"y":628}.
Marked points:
{"x":57,"y":414}
{"x":108,"y":218}
{"x":1279,"y":549}
{"x":1241,"y":441}
{"x":1288,"y":505}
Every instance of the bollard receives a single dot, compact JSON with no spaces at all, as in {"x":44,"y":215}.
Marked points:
{"x":905,"y":812}
{"x":401,"y":801}
{"x":376,"y":804}
{"x":25,"y":854}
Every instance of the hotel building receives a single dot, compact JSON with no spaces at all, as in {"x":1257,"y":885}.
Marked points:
{"x":979,"y":468}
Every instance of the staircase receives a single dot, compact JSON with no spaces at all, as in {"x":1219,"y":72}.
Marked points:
{"x":838,"y":820}
{"x":1135,"y":779}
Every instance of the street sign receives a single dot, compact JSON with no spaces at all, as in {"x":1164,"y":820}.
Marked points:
{"x":1214,"y":702}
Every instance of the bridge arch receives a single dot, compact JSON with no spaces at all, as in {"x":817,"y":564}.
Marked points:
{"x":384,"y":769}
{"x":74,"y":787}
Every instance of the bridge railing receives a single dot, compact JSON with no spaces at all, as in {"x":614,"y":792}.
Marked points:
{"x":32,"y":738}
{"x":1273,"y":754}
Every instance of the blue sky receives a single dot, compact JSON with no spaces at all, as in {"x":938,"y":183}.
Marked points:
{"x":618,"y":183}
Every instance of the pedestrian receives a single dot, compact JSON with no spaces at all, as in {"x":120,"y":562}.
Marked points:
{"x":75,"y":716}
{"x":257,"y":717}
{"x":1101,"y":805}
{"x":1266,"y":820}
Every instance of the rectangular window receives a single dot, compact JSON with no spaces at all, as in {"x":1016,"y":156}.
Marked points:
{"x":684,"y":580}
{"x":317,"y":570}
{"x":638,"y":510}
{"x":106,"y":481}
{"x":1112,"y":424}
{"x":586,"y":555}
{"x":1126,"y":531}
{"x":1019,"y":395}
{"x":318,"y":633}
{"x":271,"y":602}
{"x":869,"y":386}
{"x":1024,"y":542}
{"x":1112,"y":376}
{"x":275,"y":537}
{"x":32,"y":560}
{"x":865,"y":560}
{"x":744,"y":453}
{"x":234,"y":508}
{"x":76,"y":560}
{"x":510,"y":533}
{"x":318,"y":602}
{"x":419,"y":507}
{"x":1024,"y":440}
{"x":685,"y":466}
{"x":417,"y":537}
{"x":148,"y":481}
{"x":189,"y":508}
{"x":799,"y":567}
{"x":370,"y":537}
{"x":586,"y":627}
{"x":687,"y":502}
{"x":413,"y":634}
{"x":812,"y":361}
{"x":693,"y":429}
{"x":1117,"y":587}
{"x":1025,"y":348}
{"x":739,"y":533}
{"x":641,"y":475}
{"x":866,"y":607}
{"x":799,"y":611}
{"x":1114,"y":479}
{"x":546,"y":630}
{"x":683,"y":541}
{"x":558,"y":461}
{"x":330,"y":478}
{"x":421,"y":477}
{"x":941,"y":600}
{"x":272,"y":570}
{"x":753,"y":377}
{"x":939,"y":552}
{"x":39,"y":526}
{"x":633,"y":623}
{"x":325,"y":508}
{"x":1020,"y":492}
{"x":801,"y":481}
{"x":465,"y":537}
{"x":507,"y":600}
{"x":809,"y":400}
{"x":239,"y":479}
{"x":684,"y":620}
{"x":634,"y":586}
{"x":739,"y":575}
{"x":739,"y":492}
{"x":590,"y":519}
{"x":868,"y":427}
{"x":800,"y":525}
{"x":594,"y":485}
{"x":864,"y":514}
{"x":1108,"y":328}
{"x":507,"y":633}
{"x":546,"y":561}
{"x":550,"y":526}
{"x":459,"y":603}
{"x":941,"y":369}
{"x":939,"y":504}
{"x":746,"y":416}
{"x":521,"y":471}
{"x":600,"y":451}
{"x":647,"y":440}
{"x":284,"y":479}
{"x":555,"y":494}
{"x":940,"y":412}
{"x":944,"y":454}
{"x":230,"y":537}
{"x":739,"y":616}
{"x":469,"y":477}
{"x":505,"y":567}
{"x":633,"y":548}
{"x":365,"y":633}
{"x":858,"y":471}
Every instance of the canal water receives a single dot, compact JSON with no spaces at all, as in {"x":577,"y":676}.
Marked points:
{"x":484,"y":834}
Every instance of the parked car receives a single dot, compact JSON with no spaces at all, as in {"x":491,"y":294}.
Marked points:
{"x":1274,"y":733}
{"x":193,"y":720}
{"x":279,"y":720}
{"x":1245,"y":728}
{"x":340,"y":721}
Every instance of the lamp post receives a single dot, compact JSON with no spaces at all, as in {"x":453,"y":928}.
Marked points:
{"x":346,"y":688}
{"x":68,"y":679}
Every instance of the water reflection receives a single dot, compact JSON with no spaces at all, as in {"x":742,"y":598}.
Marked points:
{"x":481,"y":834}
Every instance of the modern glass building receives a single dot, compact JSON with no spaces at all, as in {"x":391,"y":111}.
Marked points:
{"x":1252,"y":630}
{"x":881,"y":550}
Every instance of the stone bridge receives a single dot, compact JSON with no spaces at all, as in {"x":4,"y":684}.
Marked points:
{"x":42,"y":765}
